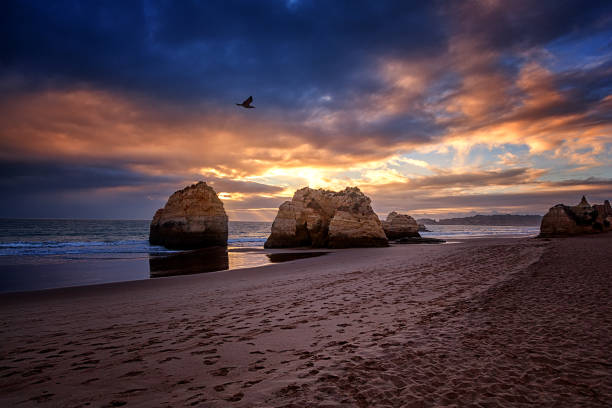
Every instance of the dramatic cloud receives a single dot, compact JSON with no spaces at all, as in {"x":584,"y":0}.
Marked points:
{"x":51,"y":176}
{"x":535,"y":199}
{"x":434,"y":105}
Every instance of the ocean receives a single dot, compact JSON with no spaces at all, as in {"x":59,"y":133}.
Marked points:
{"x":450,"y":232}
{"x":42,"y":254}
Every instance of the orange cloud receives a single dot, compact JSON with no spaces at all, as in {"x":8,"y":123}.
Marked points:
{"x":255,"y":161}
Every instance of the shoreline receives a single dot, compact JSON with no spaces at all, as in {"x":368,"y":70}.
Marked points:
{"x":76,"y":253}
{"x":481,"y":321}
{"x":53,"y":272}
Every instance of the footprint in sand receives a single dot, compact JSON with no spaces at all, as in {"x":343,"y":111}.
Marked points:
{"x":222,"y":372}
{"x":211,"y":362}
{"x":116,"y":403}
{"x":256,"y":368}
{"x":132,"y":374}
{"x":42,"y":398}
{"x":165,"y":360}
{"x":250,"y":383}
{"x":235,"y":398}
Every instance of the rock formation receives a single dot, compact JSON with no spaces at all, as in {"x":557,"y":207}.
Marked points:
{"x":322,"y":218}
{"x":400,"y":226}
{"x":192,"y":218}
{"x":563,"y":220}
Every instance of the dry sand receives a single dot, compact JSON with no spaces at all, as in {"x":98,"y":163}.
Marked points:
{"x":507,"y":322}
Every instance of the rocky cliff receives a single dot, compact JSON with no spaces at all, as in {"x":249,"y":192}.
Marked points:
{"x":322,"y":218}
{"x":563,"y":220}
{"x":400,"y":226}
{"x":192,"y":218}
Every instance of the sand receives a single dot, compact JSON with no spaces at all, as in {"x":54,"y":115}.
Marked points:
{"x":488,"y":323}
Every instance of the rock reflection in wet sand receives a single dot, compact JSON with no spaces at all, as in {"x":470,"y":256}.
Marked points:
{"x":189,"y":262}
{"x":217,"y":259}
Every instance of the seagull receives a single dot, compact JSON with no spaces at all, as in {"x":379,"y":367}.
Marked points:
{"x":247,"y":103}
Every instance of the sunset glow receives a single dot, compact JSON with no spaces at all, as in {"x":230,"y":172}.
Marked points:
{"x":467,"y":108}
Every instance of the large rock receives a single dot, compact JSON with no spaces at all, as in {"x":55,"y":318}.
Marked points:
{"x":322,"y":218}
{"x":400,"y":226}
{"x":192,"y":218}
{"x":563,"y":220}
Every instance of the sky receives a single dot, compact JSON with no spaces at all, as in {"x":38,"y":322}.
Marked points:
{"x":432,"y":108}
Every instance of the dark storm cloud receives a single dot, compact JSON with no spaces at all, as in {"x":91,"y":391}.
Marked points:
{"x":197,"y":50}
{"x":53,"y":43}
{"x":24,"y":177}
{"x":147,"y":87}
{"x":589,"y":181}
{"x":49,"y":176}
{"x":69,"y":191}
{"x":525,"y":23}
{"x":216,"y":52}
{"x":112,"y":192}
{"x":590,"y":83}
{"x":581,"y":91}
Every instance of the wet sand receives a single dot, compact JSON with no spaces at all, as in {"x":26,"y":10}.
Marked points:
{"x":505,"y":322}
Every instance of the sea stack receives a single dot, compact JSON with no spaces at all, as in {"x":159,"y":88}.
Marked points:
{"x":562,"y":220}
{"x":192,"y":218}
{"x":327,"y":219}
{"x":400,"y":226}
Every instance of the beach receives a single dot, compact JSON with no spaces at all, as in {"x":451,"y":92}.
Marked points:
{"x":485,"y":322}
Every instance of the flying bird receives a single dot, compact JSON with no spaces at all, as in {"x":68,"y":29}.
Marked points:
{"x":247,"y":103}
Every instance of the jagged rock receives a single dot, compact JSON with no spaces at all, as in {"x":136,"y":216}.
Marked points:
{"x":192,"y":218}
{"x":563,"y":220}
{"x":604,"y":212}
{"x":322,"y":218}
{"x":400,"y":225}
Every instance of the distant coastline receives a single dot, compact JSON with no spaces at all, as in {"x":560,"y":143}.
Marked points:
{"x":497,"y":219}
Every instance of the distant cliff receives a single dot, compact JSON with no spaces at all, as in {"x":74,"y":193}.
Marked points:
{"x":498,"y":219}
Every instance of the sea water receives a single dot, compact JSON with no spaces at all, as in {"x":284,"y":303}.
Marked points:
{"x":103,"y":238}
{"x":451,"y":232}
{"x":40,"y":254}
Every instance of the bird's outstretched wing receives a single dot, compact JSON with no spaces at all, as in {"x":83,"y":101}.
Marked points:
{"x":248,"y":101}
